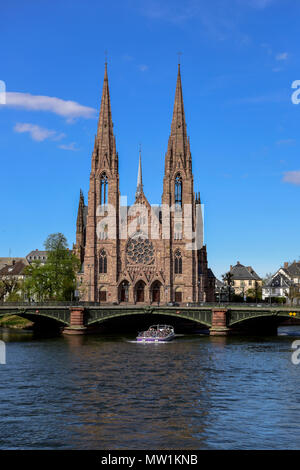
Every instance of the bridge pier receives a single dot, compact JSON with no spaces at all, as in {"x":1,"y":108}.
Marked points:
{"x":219,"y":322}
{"x":77,"y":326}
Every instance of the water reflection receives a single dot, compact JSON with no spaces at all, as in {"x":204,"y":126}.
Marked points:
{"x":90,"y":392}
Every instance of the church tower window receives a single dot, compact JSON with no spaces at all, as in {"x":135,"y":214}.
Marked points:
{"x":178,"y":262}
{"x":103,"y":188}
{"x":102,"y":262}
{"x":178,"y":190}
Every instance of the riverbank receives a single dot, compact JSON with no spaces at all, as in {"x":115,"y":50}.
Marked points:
{"x":13,"y":321}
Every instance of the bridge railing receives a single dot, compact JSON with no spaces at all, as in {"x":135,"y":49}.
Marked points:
{"x":50,"y":303}
{"x":58,"y":303}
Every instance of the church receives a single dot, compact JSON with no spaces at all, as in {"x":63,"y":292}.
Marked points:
{"x":142,"y":254}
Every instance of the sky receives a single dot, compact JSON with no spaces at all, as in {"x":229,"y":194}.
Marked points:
{"x":239,"y":59}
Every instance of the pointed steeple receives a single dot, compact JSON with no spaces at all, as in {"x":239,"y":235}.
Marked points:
{"x":104,"y":154}
{"x":80,"y":214}
{"x":139,"y":186}
{"x":178,"y":153}
{"x":178,"y":126}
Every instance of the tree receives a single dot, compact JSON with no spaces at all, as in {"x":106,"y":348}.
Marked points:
{"x":255,"y":293}
{"x":228,"y":279}
{"x":293,"y":293}
{"x":56,"y":279}
{"x":9,"y":288}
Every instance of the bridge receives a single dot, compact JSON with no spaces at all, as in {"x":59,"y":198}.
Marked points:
{"x":82,"y":317}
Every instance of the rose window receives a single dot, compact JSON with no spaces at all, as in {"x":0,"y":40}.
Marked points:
{"x":140,"y":251}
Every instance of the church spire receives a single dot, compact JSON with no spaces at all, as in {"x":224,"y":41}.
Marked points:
{"x":178,"y":154}
{"x":178,"y":125}
{"x":80,"y":213}
{"x":139,"y":186}
{"x":105,"y":144}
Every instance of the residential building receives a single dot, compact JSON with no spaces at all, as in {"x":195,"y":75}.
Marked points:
{"x":244,"y":278}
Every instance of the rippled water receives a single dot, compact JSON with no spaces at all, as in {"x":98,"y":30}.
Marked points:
{"x":110,"y":393}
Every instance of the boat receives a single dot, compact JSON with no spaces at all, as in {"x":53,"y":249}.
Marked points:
{"x":156,"y":334}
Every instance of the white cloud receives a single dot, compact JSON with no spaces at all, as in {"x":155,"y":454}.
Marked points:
{"x":292,"y":177}
{"x":37,"y":133}
{"x":71,"y":146}
{"x":282,"y":56}
{"x":67,"y":109}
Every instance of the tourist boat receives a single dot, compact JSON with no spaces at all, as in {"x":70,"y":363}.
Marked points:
{"x":156,"y":334}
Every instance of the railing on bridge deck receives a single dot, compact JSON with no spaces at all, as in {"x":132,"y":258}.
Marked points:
{"x":72,"y":303}
{"x":75,"y":303}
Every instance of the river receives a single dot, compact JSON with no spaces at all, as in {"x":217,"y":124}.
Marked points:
{"x":108,"y":392}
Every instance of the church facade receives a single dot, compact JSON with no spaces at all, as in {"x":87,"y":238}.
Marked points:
{"x":142,"y":254}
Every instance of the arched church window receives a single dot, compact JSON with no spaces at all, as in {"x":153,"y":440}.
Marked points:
{"x":103,"y":188}
{"x":178,"y":262}
{"x":102,"y":262}
{"x":178,"y":190}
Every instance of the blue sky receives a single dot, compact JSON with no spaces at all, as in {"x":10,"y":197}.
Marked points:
{"x":239,"y":60}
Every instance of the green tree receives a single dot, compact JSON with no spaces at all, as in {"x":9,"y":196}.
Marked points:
{"x":56,"y":279}
{"x":293,"y":293}
{"x":9,"y":288}
{"x":228,"y":280}
{"x":255,"y":293}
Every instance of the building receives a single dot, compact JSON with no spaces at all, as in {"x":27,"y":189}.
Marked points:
{"x":11,"y":276}
{"x":292,"y":270}
{"x":9,"y":261}
{"x":37,"y":255}
{"x":244,"y":278}
{"x":221,"y":291}
{"x":277,"y":286}
{"x":284,"y":283}
{"x":120,"y":261}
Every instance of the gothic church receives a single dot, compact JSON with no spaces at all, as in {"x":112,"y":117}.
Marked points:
{"x":140,"y":254}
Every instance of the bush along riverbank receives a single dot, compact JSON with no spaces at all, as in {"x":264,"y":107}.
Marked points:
{"x":13,"y":321}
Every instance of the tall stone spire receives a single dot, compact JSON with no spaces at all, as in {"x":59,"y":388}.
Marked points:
{"x":178,"y":154}
{"x":104,"y":154}
{"x":80,"y":214}
{"x":104,"y":189}
{"x":139,"y":186}
{"x":80,"y":229}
